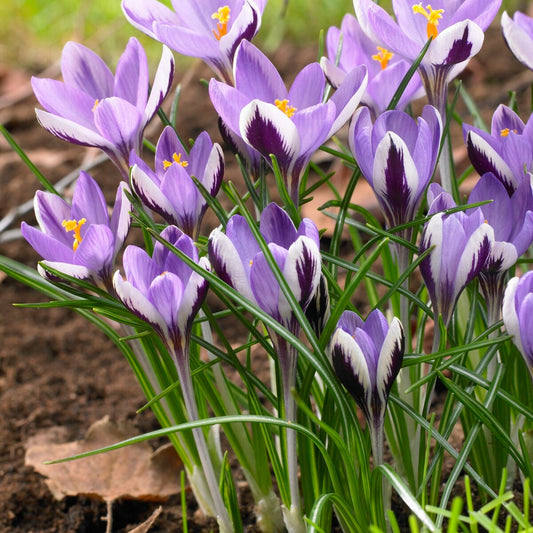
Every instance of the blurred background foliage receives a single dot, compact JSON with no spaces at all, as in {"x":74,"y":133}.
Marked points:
{"x":33,"y":32}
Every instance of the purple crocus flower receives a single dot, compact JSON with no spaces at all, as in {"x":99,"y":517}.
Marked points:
{"x":288,"y":124}
{"x":93,"y":107}
{"x":461,"y":244}
{"x":79,"y":240}
{"x":170,"y":190}
{"x":397,"y":156}
{"x":455,"y":27}
{"x":511,"y":218}
{"x":211,"y":29}
{"x":166,"y":293}
{"x":507,"y":151}
{"x":367,"y":357}
{"x":518,"y":34}
{"x":162,"y":289}
{"x":385,"y":69}
{"x":517,"y":312}
{"x":239,"y":261}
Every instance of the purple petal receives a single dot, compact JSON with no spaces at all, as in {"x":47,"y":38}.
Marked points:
{"x":131,"y":79}
{"x":96,"y":250}
{"x":88,"y":201}
{"x":256,"y":77}
{"x":270,"y":131}
{"x":161,"y":85}
{"x":47,"y":246}
{"x":65,"y":101}
{"x":85,"y":70}
{"x":143,"y":13}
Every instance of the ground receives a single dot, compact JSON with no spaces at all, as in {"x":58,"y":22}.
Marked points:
{"x":58,"y":370}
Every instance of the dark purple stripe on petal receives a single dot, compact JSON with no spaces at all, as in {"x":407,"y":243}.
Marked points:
{"x":460,"y":50}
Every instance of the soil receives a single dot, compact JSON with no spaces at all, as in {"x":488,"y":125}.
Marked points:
{"x":58,"y":370}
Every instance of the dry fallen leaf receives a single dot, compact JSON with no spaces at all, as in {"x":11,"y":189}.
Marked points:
{"x":133,"y":472}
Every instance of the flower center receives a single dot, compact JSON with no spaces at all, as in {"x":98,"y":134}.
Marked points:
{"x":222,"y":15}
{"x":176,"y":158}
{"x":283,"y":105}
{"x":506,"y":132}
{"x":383,"y":57}
{"x":432,"y":16}
{"x":75,"y":226}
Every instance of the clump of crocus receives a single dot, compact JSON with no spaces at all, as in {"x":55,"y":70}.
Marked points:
{"x":367,"y":357}
{"x":518,"y":34}
{"x":237,"y":258}
{"x":460,"y":246}
{"x":507,"y":151}
{"x":209,"y":30}
{"x":93,"y":107}
{"x":166,"y":293}
{"x":289,"y":124}
{"x":348,"y":47}
{"x":169,"y":190}
{"x":517,"y":312}
{"x":79,"y":240}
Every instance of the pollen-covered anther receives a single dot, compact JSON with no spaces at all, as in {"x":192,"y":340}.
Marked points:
{"x":506,"y":132}
{"x":222,"y":15}
{"x":75,"y":226}
{"x":96,"y":102}
{"x":176,"y":158}
{"x":283,"y":105}
{"x":383,"y":57}
{"x":432,"y":16}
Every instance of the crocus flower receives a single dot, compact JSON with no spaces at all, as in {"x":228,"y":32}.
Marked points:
{"x":166,"y":293}
{"x":397,"y":156}
{"x":461,"y":245}
{"x":385,"y":69}
{"x":162,"y":289}
{"x":93,"y":107}
{"x":517,"y":312}
{"x":288,"y":124}
{"x":518,"y":34}
{"x":170,"y":190}
{"x":455,"y":27}
{"x":511,"y":218}
{"x":238,"y":260}
{"x":79,"y":240}
{"x":210,"y":30}
{"x":367,"y":357}
{"x":507,"y":151}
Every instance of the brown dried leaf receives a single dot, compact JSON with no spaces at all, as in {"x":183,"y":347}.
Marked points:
{"x":133,"y":472}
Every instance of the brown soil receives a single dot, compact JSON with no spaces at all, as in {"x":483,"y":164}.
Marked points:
{"x":55,"y":368}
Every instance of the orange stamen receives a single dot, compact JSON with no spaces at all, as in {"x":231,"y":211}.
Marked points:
{"x":222,"y":15}
{"x":432,"y":16}
{"x":176,"y":158}
{"x":382,"y":57}
{"x":283,"y":105}
{"x":75,"y":226}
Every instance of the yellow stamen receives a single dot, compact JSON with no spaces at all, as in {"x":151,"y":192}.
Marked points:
{"x":283,"y":105}
{"x":506,"y":132}
{"x":432,"y":16}
{"x":251,"y":262}
{"x":75,"y":226}
{"x":222,"y":15}
{"x":96,"y":102}
{"x":176,"y":158}
{"x":382,"y":57}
